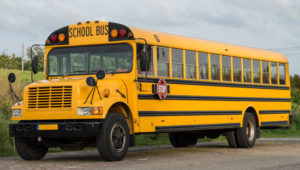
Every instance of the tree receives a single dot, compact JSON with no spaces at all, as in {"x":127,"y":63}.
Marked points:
{"x":295,"y":81}
{"x":40,"y":53}
{"x":4,"y":60}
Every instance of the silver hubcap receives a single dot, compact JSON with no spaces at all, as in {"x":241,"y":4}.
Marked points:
{"x":117,"y":137}
{"x":250,"y":130}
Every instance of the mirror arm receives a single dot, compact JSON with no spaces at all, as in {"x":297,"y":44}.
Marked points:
{"x":14,"y":95}
{"x":31,"y":51}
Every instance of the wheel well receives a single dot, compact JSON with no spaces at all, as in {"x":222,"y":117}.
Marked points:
{"x":252,"y":111}
{"x":123,"y":109}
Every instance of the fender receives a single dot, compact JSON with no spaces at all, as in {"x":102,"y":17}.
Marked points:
{"x":254,"y":111}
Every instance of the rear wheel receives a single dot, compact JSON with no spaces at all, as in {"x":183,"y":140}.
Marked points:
{"x":231,"y":138}
{"x":30,"y":148}
{"x":246,"y":136}
{"x":182,"y":139}
{"x":113,"y":141}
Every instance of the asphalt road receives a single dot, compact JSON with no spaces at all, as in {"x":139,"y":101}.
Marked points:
{"x":267,"y":154}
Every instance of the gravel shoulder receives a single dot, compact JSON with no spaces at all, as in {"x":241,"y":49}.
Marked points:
{"x":274,"y":153}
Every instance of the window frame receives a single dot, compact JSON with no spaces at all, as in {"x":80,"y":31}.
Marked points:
{"x":207,"y":67}
{"x":285,"y":73}
{"x":186,"y":65}
{"x":182,"y":51}
{"x":250,"y":66}
{"x":267,"y":73}
{"x":253,"y":71}
{"x":230,"y":67}
{"x":157,"y":62}
{"x":240,"y":69}
{"x":219,"y":68}
{"x":271,"y":72}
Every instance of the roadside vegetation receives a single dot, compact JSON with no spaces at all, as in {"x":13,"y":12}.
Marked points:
{"x":23,"y":79}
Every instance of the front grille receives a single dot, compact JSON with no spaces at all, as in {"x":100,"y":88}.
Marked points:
{"x":50,"y":97}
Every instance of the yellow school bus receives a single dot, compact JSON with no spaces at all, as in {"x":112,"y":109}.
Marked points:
{"x":106,"y":82}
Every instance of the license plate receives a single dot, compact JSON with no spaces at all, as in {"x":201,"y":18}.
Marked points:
{"x":47,"y":127}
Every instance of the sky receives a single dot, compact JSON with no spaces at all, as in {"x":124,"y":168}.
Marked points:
{"x":264,"y":24}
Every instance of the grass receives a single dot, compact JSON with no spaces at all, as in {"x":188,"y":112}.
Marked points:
{"x":22,"y":79}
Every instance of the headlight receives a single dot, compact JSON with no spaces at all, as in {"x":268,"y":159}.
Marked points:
{"x":84,"y":111}
{"x":16,"y":113}
{"x":89,"y":111}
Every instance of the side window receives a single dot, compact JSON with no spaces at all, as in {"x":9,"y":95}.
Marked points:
{"x":203,"y":65}
{"x":247,"y":70}
{"x":177,"y":63}
{"x":256,"y":71}
{"x":226,"y":68}
{"x":274,"y":74}
{"x":265,"y":68}
{"x":237,"y":72}
{"x":190,"y":57}
{"x":215,"y":66}
{"x":140,"y":55}
{"x":282,"y":73}
{"x":163,"y":62}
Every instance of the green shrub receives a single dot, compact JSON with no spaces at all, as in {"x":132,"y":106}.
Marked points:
{"x":6,"y":142}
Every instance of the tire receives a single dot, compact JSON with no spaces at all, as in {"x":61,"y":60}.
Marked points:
{"x":30,"y":148}
{"x":113,"y":141}
{"x":246,"y":136}
{"x":231,"y":139}
{"x":182,"y":140}
{"x":174,"y":140}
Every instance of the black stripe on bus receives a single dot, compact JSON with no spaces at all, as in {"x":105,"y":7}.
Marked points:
{"x":207,"y":83}
{"x":274,"y":111}
{"x":274,"y":123}
{"x":213,"y":98}
{"x":187,"y":113}
{"x":196,"y":127}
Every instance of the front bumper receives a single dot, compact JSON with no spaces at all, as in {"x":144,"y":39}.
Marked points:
{"x":65,"y":129}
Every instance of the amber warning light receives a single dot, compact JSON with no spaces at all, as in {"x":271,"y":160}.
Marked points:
{"x":58,"y":37}
{"x":61,"y":37}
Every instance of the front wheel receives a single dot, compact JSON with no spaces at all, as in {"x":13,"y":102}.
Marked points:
{"x":30,"y":148}
{"x":113,"y":141}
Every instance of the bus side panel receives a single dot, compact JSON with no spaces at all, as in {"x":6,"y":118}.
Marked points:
{"x":222,"y":110}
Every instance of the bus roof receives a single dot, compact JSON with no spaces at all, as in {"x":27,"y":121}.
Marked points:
{"x":176,"y":41}
{"x":161,"y":39}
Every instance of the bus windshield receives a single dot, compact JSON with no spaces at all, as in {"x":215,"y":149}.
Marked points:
{"x":89,"y":59}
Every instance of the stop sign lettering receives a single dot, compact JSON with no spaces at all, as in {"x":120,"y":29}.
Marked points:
{"x":162,"y":89}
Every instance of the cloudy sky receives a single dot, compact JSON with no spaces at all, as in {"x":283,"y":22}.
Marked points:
{"x":265,"y":24}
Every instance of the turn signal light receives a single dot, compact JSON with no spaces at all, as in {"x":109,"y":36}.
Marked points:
{"x":61,"y":37}
{"x":114,"y":33}
{"x":97,"y":110}
{"x":53,"y":38}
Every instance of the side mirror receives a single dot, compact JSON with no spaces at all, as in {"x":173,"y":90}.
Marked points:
{"x":145,"y":64}
{"x":11,"y":77}
{"x":100,"y":74}
{"x":35,"y":64}
{"x":90,"y":81}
